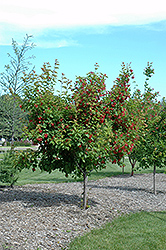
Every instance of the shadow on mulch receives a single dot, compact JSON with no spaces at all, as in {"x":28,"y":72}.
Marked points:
{"x":40,"y":199}
{"x":126,"y":188}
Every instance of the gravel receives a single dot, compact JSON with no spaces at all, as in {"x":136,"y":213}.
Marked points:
{"x":49,"y":216}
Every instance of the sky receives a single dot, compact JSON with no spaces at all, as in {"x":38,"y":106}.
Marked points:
{"x":81,"y":33}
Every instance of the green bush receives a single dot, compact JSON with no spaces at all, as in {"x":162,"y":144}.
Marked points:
{"x":8,"y":174}
{"x":22,"y":143}
{"x":7,"y":144}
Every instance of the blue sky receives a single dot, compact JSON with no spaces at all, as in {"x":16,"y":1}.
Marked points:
{"x":81,"y":34}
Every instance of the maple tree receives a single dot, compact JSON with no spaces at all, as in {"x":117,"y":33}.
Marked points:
{"x":82,"y":127}
{"x":149,"y":148}
{"x":153,"y":144}
{"x":124,"y":123}
{"x":144,"y":107}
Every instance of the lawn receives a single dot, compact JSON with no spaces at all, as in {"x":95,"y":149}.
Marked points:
{"x":140,"y":231}
{"x":27,"y":176}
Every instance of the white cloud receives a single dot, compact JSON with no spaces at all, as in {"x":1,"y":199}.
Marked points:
{"x":66,"y":13}
{"x":19,"y":17}
{"x":56,"y":43}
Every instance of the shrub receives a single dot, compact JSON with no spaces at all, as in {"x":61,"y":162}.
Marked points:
{"x":22,"y":143}
{"x":18,"y":144}
{"x":8,"y":174}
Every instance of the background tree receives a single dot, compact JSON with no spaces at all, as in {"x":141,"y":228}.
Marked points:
{"x":123,"y":122}
{"x":153,"y":144}
{"x":144,"y":107}
{"x":6,"y":117}
{"x":11,"y":79}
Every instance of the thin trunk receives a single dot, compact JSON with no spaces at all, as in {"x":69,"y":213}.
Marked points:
{"x":83,"y":170}
{"x":132,"y":162}
{"x":123,"y":166}
{"x":85,"y":190}
{"x":14,"y":102}
{"x":13,"y":122}
{"x":132,"y":169}
{"x":154,"y":179}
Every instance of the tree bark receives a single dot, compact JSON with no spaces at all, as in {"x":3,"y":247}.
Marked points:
{"x":154,"y":179}
{"x":132,"y":162}
{"x":13,"y":122}
{"x":123,"y":166}
{"x":85,"y":190}
{"x":123,"y":170}
{"x":132,"y":169}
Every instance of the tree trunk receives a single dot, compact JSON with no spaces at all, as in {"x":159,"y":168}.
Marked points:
{"x":154,"y":179}
{"x":132,"y":169}
{"x":132,"y":162}
{"x":123,"y":166}
{"x":85,"y":190}
{"x":13,"y":120}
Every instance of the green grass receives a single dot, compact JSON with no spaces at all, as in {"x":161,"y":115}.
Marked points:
{"x":27,"y":176}
{"x":140,"y":231}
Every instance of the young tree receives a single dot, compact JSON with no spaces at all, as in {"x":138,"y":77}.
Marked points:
{"x":79,"y":129}
{"x":144,"y":107}
{"x":150,"y":148}
{"x":11,"y":79}
{"x":153,"y":144}
{"x":124,"y":123}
